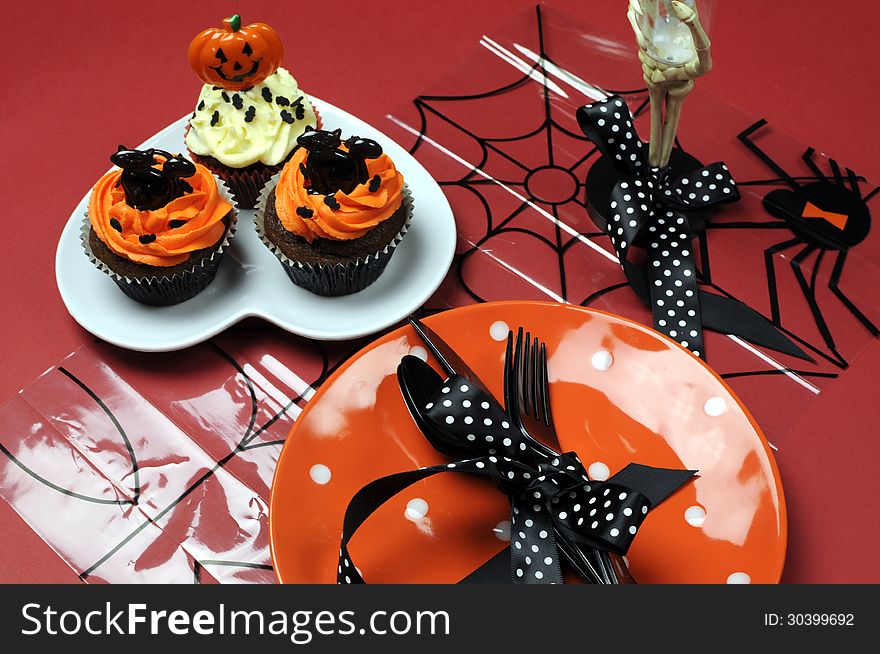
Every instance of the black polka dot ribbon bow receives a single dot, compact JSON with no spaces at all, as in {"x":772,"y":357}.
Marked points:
{"x":551,"y":497}
{"x":651,"y":204}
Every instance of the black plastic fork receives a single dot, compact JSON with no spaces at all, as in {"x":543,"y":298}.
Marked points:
{"x":527,"y":398}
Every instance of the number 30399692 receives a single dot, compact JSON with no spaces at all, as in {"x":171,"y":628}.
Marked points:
{"x":809,"y":619}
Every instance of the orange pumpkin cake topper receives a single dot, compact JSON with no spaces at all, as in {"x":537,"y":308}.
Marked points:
{"x":235,"y":57}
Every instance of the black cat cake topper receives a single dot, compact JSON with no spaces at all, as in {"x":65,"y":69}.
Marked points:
{"x":329,"y":168}
{"x":147,"y":188}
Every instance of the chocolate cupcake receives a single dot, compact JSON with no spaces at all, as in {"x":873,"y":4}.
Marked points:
{"x":158,"y":227}
{"x":336,"y":214}
{"x":249,"y":112}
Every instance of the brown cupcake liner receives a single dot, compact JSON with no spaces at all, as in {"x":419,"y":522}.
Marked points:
{"x":166,"y":290}
{"x":332,"y":279}
{"x":245,"y":183}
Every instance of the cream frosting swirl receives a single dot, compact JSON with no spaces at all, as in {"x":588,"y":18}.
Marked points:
{"x":240,"y":128}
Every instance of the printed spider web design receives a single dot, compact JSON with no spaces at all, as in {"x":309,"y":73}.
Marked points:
{"x":504,"y":165}
{"x":519,"y":171}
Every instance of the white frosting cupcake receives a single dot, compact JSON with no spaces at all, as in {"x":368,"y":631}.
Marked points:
{"x":260,"y":125}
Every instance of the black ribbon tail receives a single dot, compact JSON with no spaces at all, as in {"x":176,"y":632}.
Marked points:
{"x":494,"y":571}
{"x":721,"y":314}
{"x":657,"y":484}
{"x":369,"y":498}
{"x":726,"y":316}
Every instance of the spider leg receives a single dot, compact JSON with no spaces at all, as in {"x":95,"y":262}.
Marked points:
{"x":834,"y":285}
{"x":808,"y":159}
{"x":835,"y":168}
{"x":745,"y":138}
{"x":815,"y":276}
{"x":854,"y":182}
{"x":811,"y":296}
{"x":771,"y":275}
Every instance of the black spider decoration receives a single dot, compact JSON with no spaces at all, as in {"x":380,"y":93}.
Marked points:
{"x":146,"y":187}
{"x":329,"y":168}
{"x":826,"y":215}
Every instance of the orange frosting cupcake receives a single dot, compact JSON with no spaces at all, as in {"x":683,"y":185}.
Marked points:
{"x":163,"y":237}
{"x":359,"y":211}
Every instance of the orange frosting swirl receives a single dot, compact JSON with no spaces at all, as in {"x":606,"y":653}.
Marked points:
{"x":358,"y":213}
{"x":200,"y":215}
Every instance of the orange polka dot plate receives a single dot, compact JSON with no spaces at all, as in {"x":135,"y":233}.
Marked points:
{"x":620,"y":393}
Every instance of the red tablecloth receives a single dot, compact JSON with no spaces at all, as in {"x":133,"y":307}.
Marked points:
{"x":84,"y":80}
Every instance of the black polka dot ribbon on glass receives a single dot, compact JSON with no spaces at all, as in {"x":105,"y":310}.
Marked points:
{"x":652,"y":204}
{"x":551,"y":498}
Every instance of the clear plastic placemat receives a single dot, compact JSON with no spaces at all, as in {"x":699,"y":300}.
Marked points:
{"x":157,"y":468}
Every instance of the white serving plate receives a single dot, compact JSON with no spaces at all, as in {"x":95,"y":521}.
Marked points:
{"x":251,"y":282}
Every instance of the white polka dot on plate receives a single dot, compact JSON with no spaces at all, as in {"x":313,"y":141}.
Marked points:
{"x":739,"y":578}
{"x":320,"y":473}
{"x":695,"y":516}
{"x":420,"y":352}
{"x":598,"y":471}
{"x":715,"y":406}
{"x":502,"y":530}
{"x":602,"y":360}
{"x":416,"y":509}
{"x":498,"y":330}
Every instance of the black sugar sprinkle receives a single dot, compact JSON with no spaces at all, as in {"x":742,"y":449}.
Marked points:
{"x":304,"y":212}
{"x":147,"y":238}
{"x":215,"y":88}
{"x":302,"y":169}
{"x":115,"y":224}
{"x":184,"y":186}
{"x":201,"y":105}
{"x":331,"y":201}
{"x":375,"y":183}
{"x":174,"y":224}
{"x":281,"y":101}
{"x":286,"y":117}
{"x":250,"y":113}
{"x":237,"y":102}
{"x":300,"y":109}
{"x":215,"y":118}
{"x":267,"y":94}
{"x":225,"y":96}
